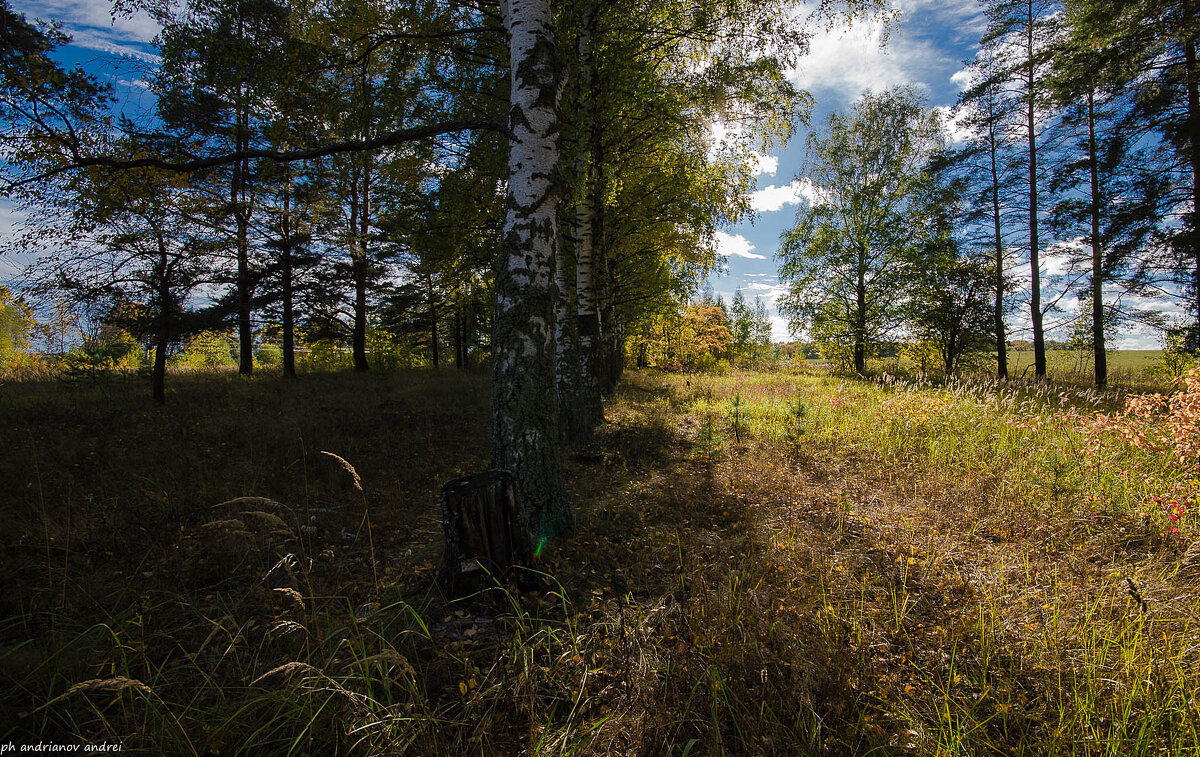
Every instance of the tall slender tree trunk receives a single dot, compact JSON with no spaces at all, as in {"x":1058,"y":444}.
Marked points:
{"x":289,"y":324}
{"x":361,"y":259}
{"x":566,"y":347}
{"x":998,"y":263}
{"x":431,"y":295}
{"x":459,"y":359}
{"x":611,"y":353}
{"x":1098,"y":347}
{"x":1193,"y":128}
{"x":589,"y":222}
{"x":159,"y":376}
{"x":525,"y":426}
{"x":1035,"y":297}
{"x":242,"y":215}
{"x":860,"y":318}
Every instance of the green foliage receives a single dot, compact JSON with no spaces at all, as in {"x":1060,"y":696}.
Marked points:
{"x":847,"y":261}
{"x":751,"y":329}
{"x":17,"y":325}
{"x":388,"y":351}
{"x":269,"y":355}
{"x":113,"y":349}
{"x":324,"y":355}
{"x":208,"y":350}
{"x":1178,"y":353}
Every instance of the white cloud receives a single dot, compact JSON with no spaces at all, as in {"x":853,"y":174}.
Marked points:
{"x":953,"y":124}
{"x":961,"y":78}
{"x":764,"y":164}
{"x":850,"y":60}
{"x":92,"y":26}
{"x":844,"y":60}
{"x":77,"y":15}
{"x":104,"y":43}
{"x":724,"y":138}
{"x":770,"y":293}
{"x":736,"y":245}
{"x":779,"y":330}
{"x":775,"y":197}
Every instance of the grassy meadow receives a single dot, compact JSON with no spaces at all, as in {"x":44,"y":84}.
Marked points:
{"x":1136,"y":370}
{"x":765,"y":563}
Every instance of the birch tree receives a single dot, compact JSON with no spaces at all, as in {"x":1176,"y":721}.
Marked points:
{"x":847,"y":260}
{"x":524,"y":424}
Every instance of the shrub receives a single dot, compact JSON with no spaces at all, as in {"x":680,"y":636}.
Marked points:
{"x":269,"y":354}
{"x":207,"y":350}
{"x":323,"y":355}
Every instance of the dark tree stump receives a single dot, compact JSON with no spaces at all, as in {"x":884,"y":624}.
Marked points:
{"x":484,"y":537}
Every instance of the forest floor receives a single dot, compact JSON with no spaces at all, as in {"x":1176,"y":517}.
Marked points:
{"x":763,"y":564}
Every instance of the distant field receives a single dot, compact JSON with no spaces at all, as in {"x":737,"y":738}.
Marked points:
{"x":1068,"y":360}
{"x":1128,"y":369}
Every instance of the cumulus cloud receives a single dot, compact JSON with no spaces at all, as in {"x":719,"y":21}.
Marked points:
{"x":779,"y":329}
{"x":764,"y":164}
{"x":845,"y":60}
{"x":775,"y":197}
{"x":736,"y":245}
{"x":849,"y":60}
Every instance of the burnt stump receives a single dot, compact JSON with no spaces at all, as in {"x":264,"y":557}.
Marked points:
{"x":485,"y":540}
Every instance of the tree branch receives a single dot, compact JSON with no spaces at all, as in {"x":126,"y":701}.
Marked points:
{"x":389,"y":139}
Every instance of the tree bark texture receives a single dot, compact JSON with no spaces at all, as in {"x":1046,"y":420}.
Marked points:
{"x":1193,"y":130}
{"x":1035,"y":298}
{"x":998,"y":262}
{"x":1099,"y":352}
{"x":241,"y":211}
{"x":524,"y":414}
{"x":590,"y":408}
{"x":566,"y":348}
{"x":165,"y":303}
{"x":484,"y":542}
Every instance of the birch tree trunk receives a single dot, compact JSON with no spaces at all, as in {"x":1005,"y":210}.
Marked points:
{"x":590,"y":409}
{"x":566,"y":346}
{"x":524,"y":413}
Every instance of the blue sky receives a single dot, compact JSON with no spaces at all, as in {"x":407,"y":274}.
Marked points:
{"x":925,"y":46}
{"x":118,"y":51}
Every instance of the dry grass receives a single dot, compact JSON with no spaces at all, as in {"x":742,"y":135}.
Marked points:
{"x":871,"y":569}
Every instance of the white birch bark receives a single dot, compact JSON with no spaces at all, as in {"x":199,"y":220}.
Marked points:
{"x":524,"y":411}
